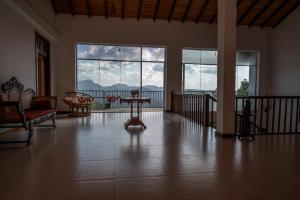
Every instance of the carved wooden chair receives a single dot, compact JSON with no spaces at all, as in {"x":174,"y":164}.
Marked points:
{"x":22,"y":108}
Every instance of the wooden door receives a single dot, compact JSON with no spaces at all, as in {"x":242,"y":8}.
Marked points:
{"x":41,"y":76}
{"x":43,"y":66}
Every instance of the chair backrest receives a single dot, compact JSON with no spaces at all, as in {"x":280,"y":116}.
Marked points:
{"x":13,"y":90}
{"x":135,"y":93}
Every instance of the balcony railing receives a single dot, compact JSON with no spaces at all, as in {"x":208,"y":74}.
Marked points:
{"x":101,"y":98}
{"x":198,"y":107}
{"x":269,"y":114}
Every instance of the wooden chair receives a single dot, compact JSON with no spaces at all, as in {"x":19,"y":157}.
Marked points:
{"x":22,"y":108}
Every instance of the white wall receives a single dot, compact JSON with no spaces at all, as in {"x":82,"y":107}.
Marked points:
{"x":18,"y":21}
{"x":286,"y":57}
{"x":174,"y":36}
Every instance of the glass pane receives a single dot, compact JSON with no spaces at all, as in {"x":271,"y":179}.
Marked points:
{"x":130,"y":75}
{"x":246,"y":58}
{"x":191,"y":77}
{"x":209,"y":57}
{"x":191,"y":56}
{"x":208,"y":77}
{"x":110,"y":72}
{"x":110,"y":52}
{"x":153,"y":76}
{"x":88,"y":75}
{"x":153,"y":54}
{"x":88,"y":51}
{"x":242,"y":79}
{"x":130,"y":53}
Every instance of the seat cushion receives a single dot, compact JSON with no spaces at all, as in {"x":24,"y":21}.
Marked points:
{"x":9,"y":115}
{"x":34,"y":114}
{"x":41,"y":104}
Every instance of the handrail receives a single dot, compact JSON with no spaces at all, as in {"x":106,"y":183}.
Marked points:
{"x":200,"y":108}
{"x":271,"y":114}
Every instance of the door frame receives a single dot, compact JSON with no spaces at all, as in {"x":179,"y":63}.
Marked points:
{"x":38,"y":36}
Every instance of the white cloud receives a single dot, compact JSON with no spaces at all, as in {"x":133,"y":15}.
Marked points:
{"x":88,"y":51}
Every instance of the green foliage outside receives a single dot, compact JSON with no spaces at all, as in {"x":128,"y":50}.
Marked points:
{"x":243,"y":90}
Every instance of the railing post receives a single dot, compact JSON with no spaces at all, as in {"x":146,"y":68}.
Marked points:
{"x":206,"y":110}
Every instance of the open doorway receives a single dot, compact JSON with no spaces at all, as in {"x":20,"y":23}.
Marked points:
{"x":110,"y":72}
{"x":42,"y":50}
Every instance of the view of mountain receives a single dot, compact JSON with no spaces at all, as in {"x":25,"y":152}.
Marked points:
{"x":90,"y":85}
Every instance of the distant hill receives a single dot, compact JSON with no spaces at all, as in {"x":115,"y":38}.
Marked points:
{"x":152,"y":88}
{"x":90,"y":85}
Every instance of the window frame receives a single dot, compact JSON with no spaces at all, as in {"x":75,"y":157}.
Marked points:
{"x":211,"y":49}
{"x":141,"y":61}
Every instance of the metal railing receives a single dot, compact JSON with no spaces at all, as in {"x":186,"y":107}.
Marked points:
{"x":101,"y":98}
{"x":270,"y":114}
{"x":199,"y":108}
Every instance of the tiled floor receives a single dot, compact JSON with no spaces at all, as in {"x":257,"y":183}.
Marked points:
{"x":96,"y":158}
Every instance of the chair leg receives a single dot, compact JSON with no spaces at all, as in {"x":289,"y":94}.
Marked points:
{"x":53,"y":121}
{"x":30,"y":133}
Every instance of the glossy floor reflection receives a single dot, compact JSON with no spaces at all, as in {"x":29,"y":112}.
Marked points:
{"x":96,"y":158}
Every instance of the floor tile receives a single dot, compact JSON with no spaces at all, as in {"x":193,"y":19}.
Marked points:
{"x":82,"y":190}
{"x":96,"y":158}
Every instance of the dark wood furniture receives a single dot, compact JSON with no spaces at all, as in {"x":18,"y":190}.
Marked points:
{"x":79,"y":103}
{"x":22,"y":108}
{"x":135,"y":120}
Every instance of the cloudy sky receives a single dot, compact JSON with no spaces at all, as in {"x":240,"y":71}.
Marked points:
{"x":121,"y":64}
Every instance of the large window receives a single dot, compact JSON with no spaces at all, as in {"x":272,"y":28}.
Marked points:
{"x":200,"y":71}
{"x":114,"y":70}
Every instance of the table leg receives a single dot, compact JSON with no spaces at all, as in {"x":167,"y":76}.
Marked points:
{"x":131,"y":110}
{"x":138,"y":110}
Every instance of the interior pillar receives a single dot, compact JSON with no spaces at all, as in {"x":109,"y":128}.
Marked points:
{"x":226,"y":68}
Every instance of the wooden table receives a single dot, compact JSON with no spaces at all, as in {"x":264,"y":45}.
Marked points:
{"x":135,"y":120}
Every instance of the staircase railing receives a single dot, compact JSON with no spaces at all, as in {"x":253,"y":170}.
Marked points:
{"x":269,"y":114}
{"x":199,"y":108}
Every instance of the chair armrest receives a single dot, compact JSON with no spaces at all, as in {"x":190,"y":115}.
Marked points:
{"x":39,"y":102}
{"x":9,"y":103}
{"x":11,"y":111}
{"x":12,"y":104}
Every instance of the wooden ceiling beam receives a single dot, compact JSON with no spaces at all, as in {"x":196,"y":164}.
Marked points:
{"x":253,"y":4}
{"x":139,"y":10}
{"x":172,"y":10}
{"x":106,"y":9}
{"x":216,"y":14}
{"x":156,"y":10}
{"x":261,"y":12}
{"x":287,"y":14}
{"x":123,"y":9}
{"x":279,"y":8}
{"x":71,"y":7}
{"x":201,"y":11}
{"x":186,"y":11}
{"x":88,"y":6}
{"x":54,"y":7}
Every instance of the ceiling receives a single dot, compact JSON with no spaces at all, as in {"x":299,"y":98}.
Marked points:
{"x":263,"y":13}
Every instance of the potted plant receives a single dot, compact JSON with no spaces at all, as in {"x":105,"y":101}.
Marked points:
{"x":109,"y":100}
